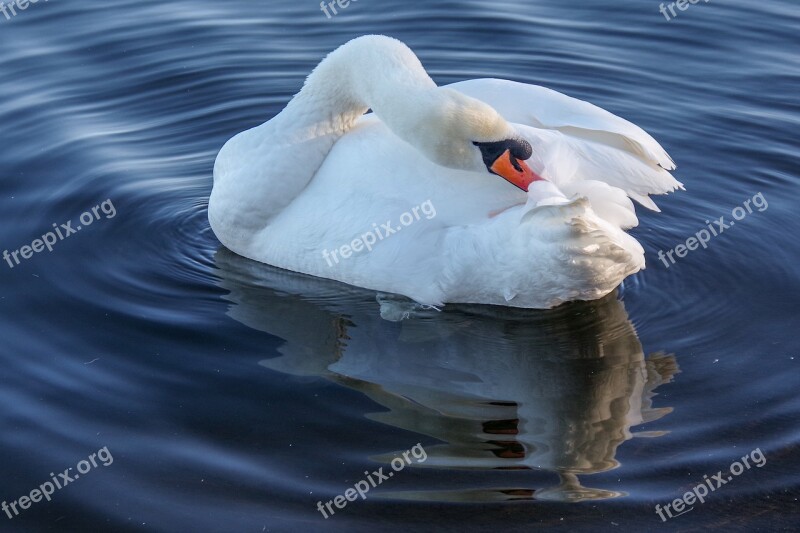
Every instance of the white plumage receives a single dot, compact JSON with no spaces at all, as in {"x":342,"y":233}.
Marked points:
{"x":322,"y":173}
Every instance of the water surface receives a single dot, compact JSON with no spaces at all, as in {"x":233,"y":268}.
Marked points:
{"x":234,"y":396}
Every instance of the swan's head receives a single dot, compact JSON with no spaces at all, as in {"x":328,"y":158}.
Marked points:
{"x":464,"y":133}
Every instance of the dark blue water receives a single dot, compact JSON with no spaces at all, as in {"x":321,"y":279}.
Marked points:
{"x":233,"y":396}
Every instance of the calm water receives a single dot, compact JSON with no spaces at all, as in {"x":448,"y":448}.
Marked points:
{"x":233,"y":396}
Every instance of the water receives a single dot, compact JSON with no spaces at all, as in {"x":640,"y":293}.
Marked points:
{"x":234,"y":397}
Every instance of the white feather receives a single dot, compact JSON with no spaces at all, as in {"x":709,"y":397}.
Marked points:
{"x":321,"y":174}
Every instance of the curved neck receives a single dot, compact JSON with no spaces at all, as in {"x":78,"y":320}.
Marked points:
{"x":371,"y":72}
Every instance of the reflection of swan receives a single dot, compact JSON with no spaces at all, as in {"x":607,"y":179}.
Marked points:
{"x":551,"y":390}
{"x":285,"y":195}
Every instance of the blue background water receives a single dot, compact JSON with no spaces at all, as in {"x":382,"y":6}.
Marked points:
{"x":233,"y":396}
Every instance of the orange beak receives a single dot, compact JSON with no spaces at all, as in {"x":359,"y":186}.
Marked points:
{"x":516,"y":172}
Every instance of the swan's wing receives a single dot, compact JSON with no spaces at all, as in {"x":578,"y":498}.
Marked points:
{"x":617,"y":152}
{"x":541,"y":107}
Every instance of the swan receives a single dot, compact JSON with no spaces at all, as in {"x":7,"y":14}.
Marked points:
{"x":525,"y":193}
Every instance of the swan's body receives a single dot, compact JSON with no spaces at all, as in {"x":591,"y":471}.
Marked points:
{"x":321,"y":174}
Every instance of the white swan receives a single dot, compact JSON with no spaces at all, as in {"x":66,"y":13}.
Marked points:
{"x":295,"y":190}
